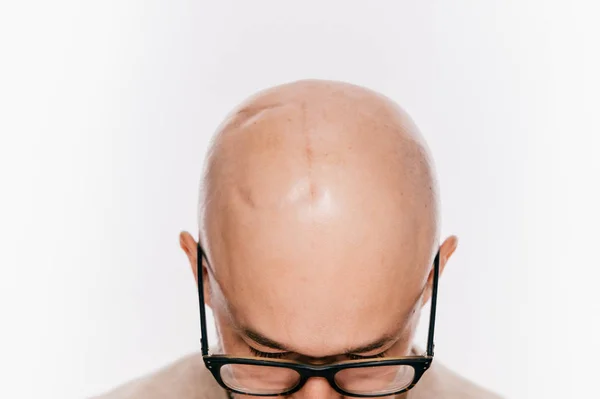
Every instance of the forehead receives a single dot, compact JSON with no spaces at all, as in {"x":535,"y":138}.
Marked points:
{"x":335,"y":338}
{"x":319,"y":284}
{"x":319,"y":319}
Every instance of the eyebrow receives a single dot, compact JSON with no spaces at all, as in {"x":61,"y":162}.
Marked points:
{"x":269,"y":343}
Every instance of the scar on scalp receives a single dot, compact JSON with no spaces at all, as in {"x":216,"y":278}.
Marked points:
{"x":250,"y":114}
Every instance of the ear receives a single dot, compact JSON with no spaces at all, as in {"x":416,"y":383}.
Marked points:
{"x":446,"y":251}
{"x":190,"y":247}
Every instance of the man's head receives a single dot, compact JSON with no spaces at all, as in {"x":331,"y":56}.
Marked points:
{"x":319,"y":218}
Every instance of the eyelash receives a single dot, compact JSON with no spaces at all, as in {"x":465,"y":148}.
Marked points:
{"x":269,"y":355}
{"x":357,"y":357}
{"x":279,"y":355}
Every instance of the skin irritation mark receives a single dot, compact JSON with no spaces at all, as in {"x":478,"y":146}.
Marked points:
{"x":309,"y":153}
{"x":245,"y":193}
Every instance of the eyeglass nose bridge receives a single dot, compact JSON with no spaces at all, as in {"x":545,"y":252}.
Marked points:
{"x":317,"y":371}
{"x":308,"y":375}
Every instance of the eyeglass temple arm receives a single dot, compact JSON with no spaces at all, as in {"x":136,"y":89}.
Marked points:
{"x":200,"y":274}
{"x":436,"y":272}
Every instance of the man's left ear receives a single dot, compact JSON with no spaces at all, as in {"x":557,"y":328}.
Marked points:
{"x":446,"y":251}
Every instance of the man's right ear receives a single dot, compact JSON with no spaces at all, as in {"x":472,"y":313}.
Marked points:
{"x":190,"y":247}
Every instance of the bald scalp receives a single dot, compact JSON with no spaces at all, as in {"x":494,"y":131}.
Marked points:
{"x":288,"y":143}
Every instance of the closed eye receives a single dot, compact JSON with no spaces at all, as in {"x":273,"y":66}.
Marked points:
{"x":269,"y":355}
{"x":358,"y":357}
{"x":280,"y":355}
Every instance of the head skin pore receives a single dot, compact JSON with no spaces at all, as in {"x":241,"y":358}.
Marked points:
{"x":319,"y":215}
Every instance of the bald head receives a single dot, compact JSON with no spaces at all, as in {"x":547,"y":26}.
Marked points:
{"x":319,"y":214}
{"x":291,"y":147}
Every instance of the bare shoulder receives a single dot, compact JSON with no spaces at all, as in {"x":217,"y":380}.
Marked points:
{"x":186,"y":378}
{"x":442,"y":383}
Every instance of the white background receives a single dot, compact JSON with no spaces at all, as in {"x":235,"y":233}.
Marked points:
{"x":106,"y":109}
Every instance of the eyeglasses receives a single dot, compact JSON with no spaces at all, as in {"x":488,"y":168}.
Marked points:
{"x":368,"y":378}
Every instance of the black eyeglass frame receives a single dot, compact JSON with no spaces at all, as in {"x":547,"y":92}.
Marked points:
{"x":214,"y":363}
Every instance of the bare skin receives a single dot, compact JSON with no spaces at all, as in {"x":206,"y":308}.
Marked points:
{"x":319,"y":217}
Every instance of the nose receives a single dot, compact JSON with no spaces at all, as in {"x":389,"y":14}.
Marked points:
{"x":317,"y":388}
